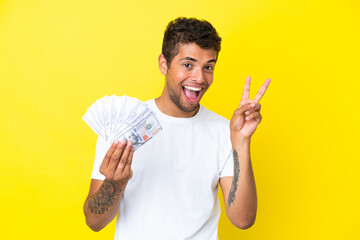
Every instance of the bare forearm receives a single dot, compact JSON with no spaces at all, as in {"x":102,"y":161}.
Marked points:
{"x":242,"y":199}
{"x":101,"y":208}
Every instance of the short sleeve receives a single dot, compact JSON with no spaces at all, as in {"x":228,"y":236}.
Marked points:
{"x":101,"y":149}
{"x":228,"y":168}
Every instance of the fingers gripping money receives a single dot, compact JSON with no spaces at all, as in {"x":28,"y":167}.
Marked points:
{"x":116,"y":165}
{"x":126,"y":123}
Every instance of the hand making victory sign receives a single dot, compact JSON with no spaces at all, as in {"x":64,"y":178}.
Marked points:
{"x":241,"y":198}
{"x":247,"y":116}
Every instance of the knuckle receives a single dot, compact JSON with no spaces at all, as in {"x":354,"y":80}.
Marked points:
{"x":123,"y":158}
{"x":114,"y":157}
{"x":121,"y":164}
{"x":128,"y":175}
{"x":239,"y":111}
{"x":108,"y":155}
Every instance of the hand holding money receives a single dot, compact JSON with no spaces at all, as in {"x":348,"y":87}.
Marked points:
{"x":116,"y":165}
{"x":102,"y":203}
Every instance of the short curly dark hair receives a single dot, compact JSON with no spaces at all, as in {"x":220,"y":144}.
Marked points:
{"x":189,"y":30}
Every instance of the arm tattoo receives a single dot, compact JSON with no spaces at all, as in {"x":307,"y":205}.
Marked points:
{"x":104,"y":197}
{"x":235,"y":179}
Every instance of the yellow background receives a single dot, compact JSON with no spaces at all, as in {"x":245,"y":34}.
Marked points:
{"x":58,"y":57}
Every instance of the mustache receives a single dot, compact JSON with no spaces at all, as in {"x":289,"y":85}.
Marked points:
{"x":194,"y":83}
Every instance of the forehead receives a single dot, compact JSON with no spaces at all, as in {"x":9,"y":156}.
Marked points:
{"x":194,"y":51}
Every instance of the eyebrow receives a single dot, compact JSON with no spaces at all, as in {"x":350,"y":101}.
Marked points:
{"x":193,"y":59}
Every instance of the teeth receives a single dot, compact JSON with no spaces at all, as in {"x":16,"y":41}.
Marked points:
{"x":192,"y":88}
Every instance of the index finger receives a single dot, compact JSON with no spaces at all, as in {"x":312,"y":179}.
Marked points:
{"x":262,"y":90}
{"x":246,"y":91}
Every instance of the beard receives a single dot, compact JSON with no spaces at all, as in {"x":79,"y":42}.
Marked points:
{"x":175,"y":97}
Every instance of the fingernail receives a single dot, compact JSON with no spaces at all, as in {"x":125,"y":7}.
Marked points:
{"x":247,"y":118}
{"x":252,"y":105}
{"x":247,"y":113}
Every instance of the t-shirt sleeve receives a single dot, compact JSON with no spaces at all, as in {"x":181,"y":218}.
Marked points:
{"x":101,"y":149}
{"x":228,"y":167}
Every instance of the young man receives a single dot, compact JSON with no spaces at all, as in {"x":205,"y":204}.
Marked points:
{"x":168,"y":188}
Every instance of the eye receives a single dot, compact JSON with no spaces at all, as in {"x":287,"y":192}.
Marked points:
{"x":187,"y":65}
{"x":209,"y":68}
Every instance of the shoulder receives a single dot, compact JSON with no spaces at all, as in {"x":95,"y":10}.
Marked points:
{"x":214,"y":125}
{"x":151,"y":104}
{"x":213,"y":118}
{"x":215,"y":128}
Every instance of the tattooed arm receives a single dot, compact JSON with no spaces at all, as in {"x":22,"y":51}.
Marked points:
{"x":102,"y":203}
{"x":240,"y":191}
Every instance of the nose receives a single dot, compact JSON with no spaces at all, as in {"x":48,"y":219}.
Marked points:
{"x":198,"y":75}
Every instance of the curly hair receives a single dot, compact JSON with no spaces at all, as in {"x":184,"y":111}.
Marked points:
{"x":189,"y":30}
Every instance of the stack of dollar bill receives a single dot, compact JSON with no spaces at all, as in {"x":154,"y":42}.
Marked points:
{"x":116,"y":118}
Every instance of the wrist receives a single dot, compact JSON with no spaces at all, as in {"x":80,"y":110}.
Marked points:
{"x":239,"y":142}
{"x":118,"y":186}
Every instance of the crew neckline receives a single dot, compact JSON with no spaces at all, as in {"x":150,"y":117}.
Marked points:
{"x":159,"y":113}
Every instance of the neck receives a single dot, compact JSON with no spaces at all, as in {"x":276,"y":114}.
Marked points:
{"x":168,"y":107}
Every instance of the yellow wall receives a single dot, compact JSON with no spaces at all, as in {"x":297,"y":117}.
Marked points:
{"x":58,"y":57}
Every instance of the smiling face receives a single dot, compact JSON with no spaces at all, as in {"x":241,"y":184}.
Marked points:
{"x":187,"y":79}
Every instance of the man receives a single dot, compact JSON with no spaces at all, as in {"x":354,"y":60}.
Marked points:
{"x":168,"y":188}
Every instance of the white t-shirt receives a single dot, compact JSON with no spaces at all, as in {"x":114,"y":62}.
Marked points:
{"x":173,"y":191}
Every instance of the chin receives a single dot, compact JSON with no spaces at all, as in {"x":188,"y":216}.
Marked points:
{"x":189,"y":107}
{"x":184,"y":105}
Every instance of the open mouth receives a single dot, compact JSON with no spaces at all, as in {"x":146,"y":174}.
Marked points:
{"x":192,"y":94}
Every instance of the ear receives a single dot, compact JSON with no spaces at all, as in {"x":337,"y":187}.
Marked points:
{"x":162,"y":64}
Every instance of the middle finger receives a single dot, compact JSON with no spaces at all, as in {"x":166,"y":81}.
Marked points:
{"x":115,"y":158}
{"x":125,"y":155}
